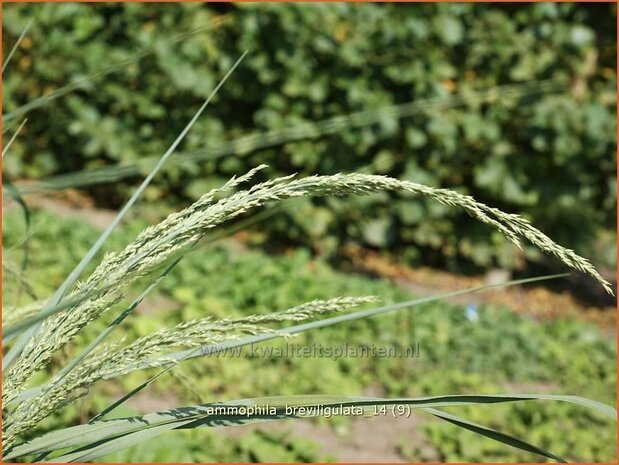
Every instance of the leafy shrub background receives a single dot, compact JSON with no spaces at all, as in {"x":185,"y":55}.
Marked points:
{"x":550,"y":157}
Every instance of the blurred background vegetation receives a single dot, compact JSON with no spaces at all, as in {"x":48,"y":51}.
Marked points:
{"x":546,"y":151}
{"x":514,"y":104}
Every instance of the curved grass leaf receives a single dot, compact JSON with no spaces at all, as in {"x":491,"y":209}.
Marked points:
{"x":11,"y":190}
{"x":493,"y":434}
{"x":177,"y":357}
{"x":103,"y":437}
{"x":15,"y":194}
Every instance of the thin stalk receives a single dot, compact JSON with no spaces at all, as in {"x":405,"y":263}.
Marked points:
{"x":177,"y":357}
{"x":16,"y":45}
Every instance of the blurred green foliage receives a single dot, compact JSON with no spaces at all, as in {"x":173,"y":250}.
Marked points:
{"x":550,"y":157}
{"x":500,"y":352}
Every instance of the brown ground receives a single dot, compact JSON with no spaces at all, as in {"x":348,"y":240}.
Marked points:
{"x":533,"y":299}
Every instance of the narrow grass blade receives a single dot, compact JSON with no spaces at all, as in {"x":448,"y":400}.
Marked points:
{"x":16,"y":45}
{"x":17,"y":197}
{"x":493,"y":434}
{"x":99,"y":438}
{"x":41,"y":101}
{"x":177,"y":357}
{"x":109,"y":447}
{"x":8,"y":126}
{"x":24,"y":238}
{"x":14,"y":193}
{"x":252,"y":142}
{"x":8,"y":360}
{"x":21,"y":279}
{"x":357,"y":315}
{"x":13,"y":137}
{"x":10,"y":332}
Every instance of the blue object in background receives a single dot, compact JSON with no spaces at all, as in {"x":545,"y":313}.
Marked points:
{"x":471,"y":312}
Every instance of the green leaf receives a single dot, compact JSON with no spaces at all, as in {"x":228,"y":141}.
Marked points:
{"x":449,"y":29}
{"x":104,"y":437}
{"x":492,"y":434}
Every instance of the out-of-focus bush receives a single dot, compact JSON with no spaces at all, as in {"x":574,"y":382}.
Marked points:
{"x":550,"y":157}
